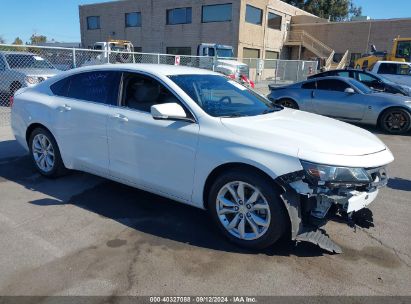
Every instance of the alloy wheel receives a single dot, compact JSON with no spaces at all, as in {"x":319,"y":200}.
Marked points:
{"x":243,"y":210}
{"x":396,"y":121}
{"x":43,"y":152}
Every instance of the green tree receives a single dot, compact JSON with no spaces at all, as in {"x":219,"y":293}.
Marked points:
{"x":335,"y":10}
{"x":36,"y":39}
{"x":18,"y":41}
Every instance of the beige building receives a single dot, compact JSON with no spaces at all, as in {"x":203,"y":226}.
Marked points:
{"x":264,"y":29}
{"x":255,"y":28}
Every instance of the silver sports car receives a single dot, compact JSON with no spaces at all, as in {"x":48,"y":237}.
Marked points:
{"x":349,"y":100}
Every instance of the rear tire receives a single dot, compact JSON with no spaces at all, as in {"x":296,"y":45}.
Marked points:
{"x":395,"y":121}
{"x":288,"y":103}
{"x":45,"y":153}
{"x":250,"y":220}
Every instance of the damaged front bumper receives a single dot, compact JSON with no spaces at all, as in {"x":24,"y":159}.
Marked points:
{"x":309,"y":203}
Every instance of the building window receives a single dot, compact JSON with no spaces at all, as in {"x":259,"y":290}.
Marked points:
{"x":251,"y":53}
{"x":175,"y":50}
{"x":274,"y":21}
{"x":217,"y":13}
{"x":179,"y":15}
{"x":271,"y":55}
{"x":254,"y":15}
{"x":133,"y":19}
{"x":93,"y":22}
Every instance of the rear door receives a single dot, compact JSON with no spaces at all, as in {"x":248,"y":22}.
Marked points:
{"x":81,"y":113}
{"x":330,"y":99}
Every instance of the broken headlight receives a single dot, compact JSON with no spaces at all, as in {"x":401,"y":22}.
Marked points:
{"x":335,"y":175}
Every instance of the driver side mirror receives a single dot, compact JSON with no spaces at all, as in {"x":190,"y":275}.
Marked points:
{"x":169,"y":111}
{"x":349,"y":91}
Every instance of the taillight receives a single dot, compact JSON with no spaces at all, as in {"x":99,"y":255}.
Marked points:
{"x":11,"y":100}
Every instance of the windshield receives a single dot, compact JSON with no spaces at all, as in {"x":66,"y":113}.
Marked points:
{"x":18,"y":61}
{"x":222,"y":97}
{"x":225,"y":53}
{"x":360,"y":86}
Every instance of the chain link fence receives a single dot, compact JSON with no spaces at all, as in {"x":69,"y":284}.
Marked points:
{"x":22,"y":66}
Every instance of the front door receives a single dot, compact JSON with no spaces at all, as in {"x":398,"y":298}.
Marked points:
{"x":330,"y":99}
{"x":155,"y":154}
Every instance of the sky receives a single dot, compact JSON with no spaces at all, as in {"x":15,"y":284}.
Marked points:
{"x":58,"y":19}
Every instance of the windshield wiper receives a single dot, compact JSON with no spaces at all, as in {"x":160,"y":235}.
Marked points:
{"x":268,"y":111}
{"x":233,"y":115}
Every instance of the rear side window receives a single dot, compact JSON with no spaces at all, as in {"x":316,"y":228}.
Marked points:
{"x":100,"y":87}
{"x":60,"y":88}
{"x":332,"y":85}
{"x":309,"y":85}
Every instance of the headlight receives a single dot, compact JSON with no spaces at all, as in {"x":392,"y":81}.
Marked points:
{"x":32,"y":79}
{"x":324,"y":173}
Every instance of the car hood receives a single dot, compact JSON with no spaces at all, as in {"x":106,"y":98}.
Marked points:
{"x":38,"y":72}
{"x":391,"y":97}
{"x":305,"y":132}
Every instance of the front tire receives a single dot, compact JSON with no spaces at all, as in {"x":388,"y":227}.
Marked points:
{"x":396,"y":121}
{"x":247,"y":209}
{"x":45,"y":153}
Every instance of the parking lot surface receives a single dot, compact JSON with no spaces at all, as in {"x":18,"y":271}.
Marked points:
{"x":83,"y":235}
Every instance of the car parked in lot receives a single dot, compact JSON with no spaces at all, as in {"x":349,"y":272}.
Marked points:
{"x":22,"y":69}
{"x":349,"y":100}
{"x":371,"y":80}
{"x":199,"y":138}
{"x":398,"y":72}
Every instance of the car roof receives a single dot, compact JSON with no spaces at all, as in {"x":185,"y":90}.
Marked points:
{"x":158,"y":69}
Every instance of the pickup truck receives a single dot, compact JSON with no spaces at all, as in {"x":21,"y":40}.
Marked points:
{"x":398,"y":72}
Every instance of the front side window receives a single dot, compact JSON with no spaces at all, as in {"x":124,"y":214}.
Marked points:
{"x":21,"y":61}
{"x":93,"y":22}
{"x":217,"y":13}
{"x":253,"y":15}
{"x":179,"y":15}
{"x":363,"y":77}
{"x":141,"y":92}
{"x":133,"y":19}
{"x":100,"y":87}
{"x":332,"y":85}
{"x":274,"y":21}
{"x":222,"y":97}
{"x":271,"y":55}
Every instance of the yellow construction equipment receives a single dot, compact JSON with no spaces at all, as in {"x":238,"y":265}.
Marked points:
{"x":401,"y":52}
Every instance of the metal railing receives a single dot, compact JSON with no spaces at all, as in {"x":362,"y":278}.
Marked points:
{"x":28,"y":65}
{"x":313,"y":44}
{"x":344,"y":60}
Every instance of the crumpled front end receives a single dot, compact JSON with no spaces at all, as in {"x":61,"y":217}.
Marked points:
{"x":311,"y":200}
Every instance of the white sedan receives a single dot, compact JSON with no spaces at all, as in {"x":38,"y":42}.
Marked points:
{"x":201,"y":139}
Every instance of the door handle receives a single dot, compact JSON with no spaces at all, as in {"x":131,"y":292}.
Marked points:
{"x":312,"y":94}
{"x":120,"y":117}
{"x":65,"y":108}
